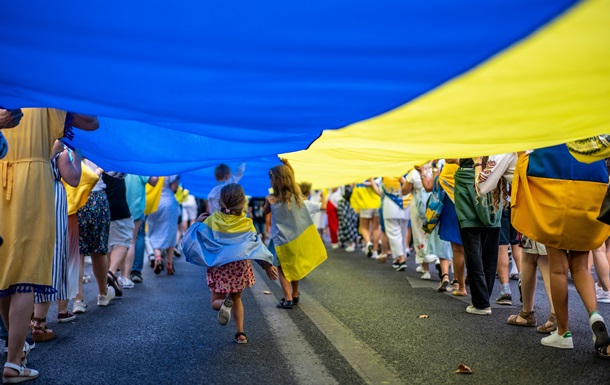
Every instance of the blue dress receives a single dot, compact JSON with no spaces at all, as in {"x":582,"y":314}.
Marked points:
{"x":163,"y":223}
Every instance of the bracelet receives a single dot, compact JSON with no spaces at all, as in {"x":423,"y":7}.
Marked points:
{"x":477,"y":164}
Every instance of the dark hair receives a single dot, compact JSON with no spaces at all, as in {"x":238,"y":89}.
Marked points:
{"x":221,"y":172}
{"x":232,"y":199}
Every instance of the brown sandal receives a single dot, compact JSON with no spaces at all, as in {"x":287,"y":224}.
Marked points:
{"x":522,"y":319}
{"x":41,"y":333}
{"x":170,"y":269}
{"x":549,"y":326}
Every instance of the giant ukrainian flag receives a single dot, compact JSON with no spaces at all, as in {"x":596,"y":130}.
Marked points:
{"x":366,"y":87}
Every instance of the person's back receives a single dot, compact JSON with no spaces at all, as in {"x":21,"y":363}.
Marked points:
{"x":223,"y":176}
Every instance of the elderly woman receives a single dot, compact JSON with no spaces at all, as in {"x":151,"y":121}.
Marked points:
{"x":27,"y":209}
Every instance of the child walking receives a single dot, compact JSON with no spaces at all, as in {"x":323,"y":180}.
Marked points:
{"x":295,"y":241}
{"x":225,"y":242}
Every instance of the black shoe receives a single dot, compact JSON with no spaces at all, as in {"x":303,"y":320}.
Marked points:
{"x":401,"y":266}
{"x":284,"y":304}
{"x":136,"y":277}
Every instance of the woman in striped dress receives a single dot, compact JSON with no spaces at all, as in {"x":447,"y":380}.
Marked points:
{"x":66,"y":165}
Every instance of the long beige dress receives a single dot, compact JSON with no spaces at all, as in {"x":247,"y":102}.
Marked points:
{"x":27,"y":209}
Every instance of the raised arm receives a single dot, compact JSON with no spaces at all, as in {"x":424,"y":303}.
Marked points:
{"x":487,"y":179}
{"x":68,"y":163}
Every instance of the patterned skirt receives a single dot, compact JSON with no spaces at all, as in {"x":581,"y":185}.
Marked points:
{"x":233,"y":277}
{"x":94,"y":224}
{"x":348,"y":222}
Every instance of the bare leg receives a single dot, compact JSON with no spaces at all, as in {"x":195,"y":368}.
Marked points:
{"x":295,"y":288}
{"x":169,"y":254}
{"x":80,"y":296}
{"x":445,"y":263}
{"x":543,"y":265}
{"x":601,"y":267}
{"x":62,"y":306}
{"x":128,"y":265}
{"x":217,"y":299}
{"x":376,"y":228}
{"x":458,"y":266}
{"x":17,"y":310}
{"x":529,"y":280}
{"x":365,"y":230}
{"x":558,"y":262}
{"x":286,"y":286}
{"x":41,"y":309}
{"x":117,"y":259}
{"x":517,"y":256}
{"x":238,"y":312}
{"x":502,"y":268}
{"x":583,"y":281}
{"x":100,"y":271}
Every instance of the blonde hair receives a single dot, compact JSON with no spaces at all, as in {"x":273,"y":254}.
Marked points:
{"x":284,"y":186}
{"x":232,"y":199}
{"x":305,"y":188}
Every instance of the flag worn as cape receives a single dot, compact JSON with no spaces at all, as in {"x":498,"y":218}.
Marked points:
{"x":223,"y":238}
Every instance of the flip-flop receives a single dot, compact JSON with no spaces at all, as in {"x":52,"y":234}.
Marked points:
{"x":457,"y":294}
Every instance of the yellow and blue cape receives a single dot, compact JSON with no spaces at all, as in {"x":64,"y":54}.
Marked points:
{"x":556,"y":199}
{"x":295,"y":240}
{"x":223,"y":239}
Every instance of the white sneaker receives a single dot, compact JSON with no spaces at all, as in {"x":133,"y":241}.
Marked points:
{"x":374,"y":255}
{"x":473,"y":310}
{"x":104,"y":300}
{"x":600,"y":332}
{"x":224,"y":314}
{"x":602,"y":295}
{"x":420,"y":269}
{"x":557,"y":341}
{"x":351,"y":248}
{"x":430,"y":258}
{"x":334,"y":245}
{"x":368,"y":249}
{"x":126,"y":282}
{"x":80,"y":307}
{"x":425,"y":276}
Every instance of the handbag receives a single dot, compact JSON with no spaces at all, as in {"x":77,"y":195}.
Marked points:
{"x":434,"y":207}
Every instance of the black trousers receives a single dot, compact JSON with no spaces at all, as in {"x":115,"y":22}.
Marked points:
{"x":481,"y":252}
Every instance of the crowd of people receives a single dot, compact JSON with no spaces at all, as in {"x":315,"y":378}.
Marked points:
{"x":464,"y":217}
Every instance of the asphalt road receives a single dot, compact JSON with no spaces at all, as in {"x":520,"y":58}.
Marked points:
{"x":357,"y":323}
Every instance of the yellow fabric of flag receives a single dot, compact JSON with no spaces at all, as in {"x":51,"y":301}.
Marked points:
{"x":153,"y":196}
{"x":550,"y":88}
{"x":78,"y":196}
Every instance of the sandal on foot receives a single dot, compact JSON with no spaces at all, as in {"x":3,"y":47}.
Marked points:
{"x":458,"y":293}
{"x":524,"y":318}
{"x":224,"y":313}
{"x":601,"y":339}
{"x":549,"y":326}
{"x":158,"y":265}
{"x":41,"y":333}
{"x":285,"y":304}
{"x":170,"y":269}
{"x":21,"y":375}
{"x":114,"y":282}
{"x":295,"y":300}
{"x":240,"y":340}
{"x":442,"y":287}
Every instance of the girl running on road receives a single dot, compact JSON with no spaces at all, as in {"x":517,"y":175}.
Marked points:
{"x":225,"y":242}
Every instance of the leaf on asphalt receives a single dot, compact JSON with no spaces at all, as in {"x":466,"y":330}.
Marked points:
{"x":267,"y":292}
{"x":424,"y":316}
{"x":463,"y":369}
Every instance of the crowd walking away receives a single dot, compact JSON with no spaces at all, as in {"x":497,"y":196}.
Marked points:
{"x":461,"y":223}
